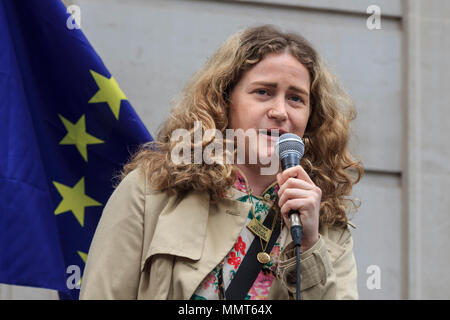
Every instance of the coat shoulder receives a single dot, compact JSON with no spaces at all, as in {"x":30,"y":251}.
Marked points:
{"x":139,"y":180}
{"x":137,"y":177}
{"x":338,"y":234}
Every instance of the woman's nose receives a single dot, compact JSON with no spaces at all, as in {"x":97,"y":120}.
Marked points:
{"x":277,"y":111}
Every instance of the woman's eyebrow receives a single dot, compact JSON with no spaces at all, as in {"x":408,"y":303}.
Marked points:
{"x":274,"y":85}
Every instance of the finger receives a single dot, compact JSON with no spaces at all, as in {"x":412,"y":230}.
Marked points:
{"x":294,"y":183}
{"x":293,"y":194}
{"x":304,"y":207}
{"x":304,"y":176}
{"x":299,"y":205}
{"x":288,"y":173}
{"x":296,"y":172}
{"x":279,"y":179}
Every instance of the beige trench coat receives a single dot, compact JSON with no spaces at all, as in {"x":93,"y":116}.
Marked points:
{"x":149,"y":245}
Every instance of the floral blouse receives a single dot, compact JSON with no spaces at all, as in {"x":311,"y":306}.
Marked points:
{"x":225,"y":271}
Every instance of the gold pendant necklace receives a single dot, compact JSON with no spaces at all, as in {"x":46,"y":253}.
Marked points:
{"x":263,"y":257}
{"x":262,"y":232}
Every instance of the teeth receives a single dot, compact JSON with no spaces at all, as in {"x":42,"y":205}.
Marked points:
{"x":270,"y":133}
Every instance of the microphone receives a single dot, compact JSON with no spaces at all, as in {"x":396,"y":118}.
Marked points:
{"x":291,"y":150}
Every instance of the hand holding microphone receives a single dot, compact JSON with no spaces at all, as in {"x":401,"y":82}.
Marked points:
{"x":298,"y":195}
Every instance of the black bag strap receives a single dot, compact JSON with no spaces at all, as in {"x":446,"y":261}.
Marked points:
{"x":250,"y":267}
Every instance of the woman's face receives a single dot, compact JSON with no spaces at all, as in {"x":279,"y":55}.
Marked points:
{"x":274,"y":94}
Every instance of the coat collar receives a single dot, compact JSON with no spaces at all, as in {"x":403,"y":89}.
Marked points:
{"x":187,"y":216}
{"x":198,"y":233}
{"x":241,"y":184}
{"x":200,"y":242}
{"x":182,"y":224}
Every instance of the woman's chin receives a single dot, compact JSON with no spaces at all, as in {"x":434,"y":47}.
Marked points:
{"x":265,"y":156}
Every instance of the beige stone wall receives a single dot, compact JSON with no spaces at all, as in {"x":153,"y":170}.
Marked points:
{"x":426,"y":165}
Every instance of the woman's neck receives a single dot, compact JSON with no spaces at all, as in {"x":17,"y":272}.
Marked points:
{"x":256,"y":181}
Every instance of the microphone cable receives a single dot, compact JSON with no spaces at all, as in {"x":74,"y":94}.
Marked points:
{"x":296,"y":233}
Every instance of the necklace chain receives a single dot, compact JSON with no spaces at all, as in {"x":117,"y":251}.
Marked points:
{"x":263,"y":248}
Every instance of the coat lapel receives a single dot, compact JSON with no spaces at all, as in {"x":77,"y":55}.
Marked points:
{"x":225,"y":221}
{"x":181,"y":227}
{"x":199,"y":234}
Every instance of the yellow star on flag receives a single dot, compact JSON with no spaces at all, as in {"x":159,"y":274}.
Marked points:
{"x":77,"y":135}
{"x":74,"y":199}
{"x":82,"y":255}
{"x":109,"y":92}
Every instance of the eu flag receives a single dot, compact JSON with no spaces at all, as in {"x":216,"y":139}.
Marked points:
{"x":66,"y":129}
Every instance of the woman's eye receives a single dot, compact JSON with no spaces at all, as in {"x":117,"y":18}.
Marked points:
{"x":261,"y":91}
{"x":297,"y":99}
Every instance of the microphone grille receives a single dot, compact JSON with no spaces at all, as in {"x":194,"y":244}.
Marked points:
{"x":288,"y":143}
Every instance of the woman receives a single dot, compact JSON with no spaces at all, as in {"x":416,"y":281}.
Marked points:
{"x":187,"y":230}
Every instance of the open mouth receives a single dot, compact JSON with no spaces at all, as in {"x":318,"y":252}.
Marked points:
{"x":274,"y":133}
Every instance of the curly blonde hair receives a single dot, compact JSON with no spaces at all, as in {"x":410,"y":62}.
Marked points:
{"x":205,"y":98}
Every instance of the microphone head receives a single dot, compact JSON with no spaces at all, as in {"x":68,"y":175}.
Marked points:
{"x":289,"y":143}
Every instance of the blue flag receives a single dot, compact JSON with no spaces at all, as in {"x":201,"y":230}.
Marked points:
{"x":66,"y":130}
